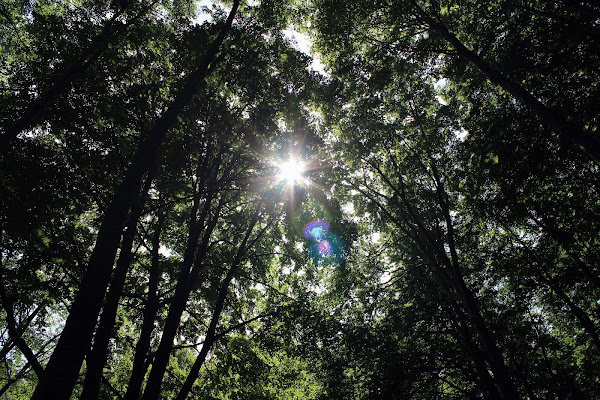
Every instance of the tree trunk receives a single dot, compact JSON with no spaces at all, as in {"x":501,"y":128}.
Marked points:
{"x":490,"y":347}
{"x":452,"y":275}
{"x":549,"y":117}
{"x":96,"y":358}
{"x":143,"y":345}
{"x":60,"y":376}
{"x":486,"y":381}
{"x":177,"y":307}
{"x":491,"y":350}
{"x":20,"y":329}
{"x":580,"y":314}
{"x":583,"y":318}
{"x":13,"y":330}
{"x":566,"y":241}
{"x":212,"y":328}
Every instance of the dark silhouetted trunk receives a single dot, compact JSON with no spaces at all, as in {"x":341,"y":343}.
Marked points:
{"x":188,"y":274}
{"x":62,"y":370}
{"x":150,"y":309}
{"x":212,"y":328}
{"x":584,"y":319}
{"x":485,"y":380}
{"x":20,"y":329}
{"x":566,"y":240}
{"x":491,"y":350}
{"x":11,"y":322}
{"x":96,"y":358}
{"x":551,"y":118}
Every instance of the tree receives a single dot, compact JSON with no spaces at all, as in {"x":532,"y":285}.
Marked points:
{"x":423,"y":27}
{"x":438,"y":238}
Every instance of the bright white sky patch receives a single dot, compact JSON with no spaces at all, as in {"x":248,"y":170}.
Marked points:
{"x":165,"y":251}
{"x":441,"y":100}
{"x":301,"y":42}
{"x":461,"y":134}
{"x":202,"y":16}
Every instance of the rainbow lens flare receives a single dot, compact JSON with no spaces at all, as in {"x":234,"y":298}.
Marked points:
{"x":315,"y":230}
{"x":329,"y":251}
{"x":324,"y":248}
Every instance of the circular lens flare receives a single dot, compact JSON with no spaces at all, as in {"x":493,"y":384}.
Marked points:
{"x":315,"y":230}
{"x":317,"y":233}
{"x":324,"y":248}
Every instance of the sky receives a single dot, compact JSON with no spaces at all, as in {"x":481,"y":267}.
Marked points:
{"x":300,"y":41}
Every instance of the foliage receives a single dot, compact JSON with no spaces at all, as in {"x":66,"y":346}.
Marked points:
{"x":449,"y":146}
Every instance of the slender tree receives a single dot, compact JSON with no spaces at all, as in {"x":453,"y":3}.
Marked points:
{"x":61,"y":372}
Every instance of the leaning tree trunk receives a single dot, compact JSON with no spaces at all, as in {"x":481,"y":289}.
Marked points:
{"x":488,"y":385}
{"x":60,"y":375}
{"x":490,"y":346}
{"x":150,"y":309}
{"x":579,"y":313}
{"x":11,"y":323}
{"x":96,"y":358}
{"x":551,"y":118}
{"x":177,"y":307}
{"x":212,"y":328}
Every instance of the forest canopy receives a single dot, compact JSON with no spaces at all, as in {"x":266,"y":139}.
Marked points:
{"x":193,"y":207}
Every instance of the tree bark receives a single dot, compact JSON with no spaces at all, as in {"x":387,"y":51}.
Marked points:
{"x":20,"y":329}
{"x":551,"y":118}
{"x":60,"y":376}
{"x":96,"y":358}
{"x":584,"y":319}
{"x":14,"y":333}
{"x":566,"y":241}
{"x":143,"y":344}
{"x":11,"y":322}
{"x":490,"y":347}
{"x":486,"y":381}
{"x":212,"y":328}
{"x":180,"y":298}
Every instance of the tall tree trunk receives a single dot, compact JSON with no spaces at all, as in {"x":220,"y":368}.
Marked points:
{"x":566,"y":241}
{"x":151,"y":308}
{"x":96,"y":358}
{"x":584,"y":319}
{"x":491,"y":350}
{"x":453,"y":276}
{"x":488,"y":385}
{"x":177,"y":307}
{"x":60,"y":376}
{"x":551,"y":118}
{"x":212,"y":328}
{"x":20,"y":329}
{"x":490,"y":347}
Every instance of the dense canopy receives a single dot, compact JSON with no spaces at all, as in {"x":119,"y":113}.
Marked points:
{"x":193,"y":207}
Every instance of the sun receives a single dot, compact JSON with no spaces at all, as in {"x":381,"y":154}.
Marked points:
{"x":291,"y":171}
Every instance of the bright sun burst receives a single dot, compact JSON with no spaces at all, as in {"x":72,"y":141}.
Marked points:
{"x":291,"y":171}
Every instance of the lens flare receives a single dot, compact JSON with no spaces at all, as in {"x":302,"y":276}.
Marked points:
{"x":315,"y":230}
{"x":324,"y":248}
{"x":329,"y":251}
{"x":317,"y":233}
